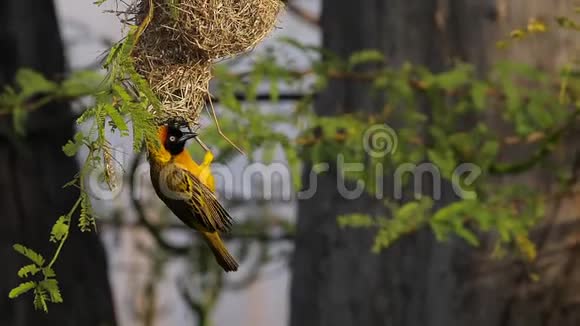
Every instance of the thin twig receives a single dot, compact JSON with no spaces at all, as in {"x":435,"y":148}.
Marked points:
{"x":213,"y":114}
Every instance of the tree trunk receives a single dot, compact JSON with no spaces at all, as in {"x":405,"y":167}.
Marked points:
{"x":419,"y":282}
{"x":33,"y":170}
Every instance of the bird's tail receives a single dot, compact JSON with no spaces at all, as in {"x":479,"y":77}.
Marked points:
{"x":222,"y":256}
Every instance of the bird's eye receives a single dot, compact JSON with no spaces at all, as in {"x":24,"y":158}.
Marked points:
{"x":172,"y":138}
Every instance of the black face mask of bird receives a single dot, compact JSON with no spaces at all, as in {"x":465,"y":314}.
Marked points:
{"x":176,"y":139}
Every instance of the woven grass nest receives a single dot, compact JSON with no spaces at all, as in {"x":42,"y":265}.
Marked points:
{"x":184,"y":38}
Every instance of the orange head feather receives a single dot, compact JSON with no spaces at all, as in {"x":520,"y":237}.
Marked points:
{"x":162,"y":133}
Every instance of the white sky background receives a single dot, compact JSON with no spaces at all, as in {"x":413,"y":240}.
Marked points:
{"x":84,"y":28}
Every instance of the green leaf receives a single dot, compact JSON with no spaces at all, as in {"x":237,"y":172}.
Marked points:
{"x":40,"y":299}
{"x":141,"y":84}
{"x":144,"y":127}
{"x":121,"y":92}
{"x":21,"y":289}
{"x":82,"y":83}
{"x":274,"y":91}
{"x":444,"y":160}
{"x":488,"y":153}
{"x":19,"y":117}
{"x":117,"y":119}
{"x":86,"y":220}
{"x":466,"y":234}
{"x":448,"y":220}
{"x":295,"y":167}
{"x":539,"y":110}
{"x":463,"y":143}
{"x":406,"y":219}
{"x":269,"y":150}
{"x":72,"y":147}
{"x":48,"y":272}
{"x":31,"y":82}
{"x":228,"y":98}
{"x":518,"y":34}
{"x":566,"y":22}
{"x":30,"y":254}
{"x":59,"y":229}
{"x":28,"y":270}
{"x":455,"y":78}
{"x":252,"y":88}
{"x":356,"y":221}
{"x":479,"y":95}
{"x":51,"y":286}
{"x":8,"y":99}
{"x":366,"y":56}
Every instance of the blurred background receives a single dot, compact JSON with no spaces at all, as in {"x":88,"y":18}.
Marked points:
{"x":321,"y":259}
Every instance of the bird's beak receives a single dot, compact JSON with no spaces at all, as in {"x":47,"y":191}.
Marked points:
{"x":186,"y":136}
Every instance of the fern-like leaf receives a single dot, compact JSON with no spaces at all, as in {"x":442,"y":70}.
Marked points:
{"x":144,"y":127}
{"x":28,"y":270}
{"x":40,"y":299}
{"x":59,"y":229}
{"x":21,"y":289}
{"x":32,"y":82}
{"x":86,"y":220}
{"x":72,"y":146}
{"x":30,"y":254}
{"x":48,"y":272}
{"x":117,"y":119}
{"x":51,"y":286}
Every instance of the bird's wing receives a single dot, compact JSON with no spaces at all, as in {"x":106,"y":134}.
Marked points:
{"x":199,"y":199}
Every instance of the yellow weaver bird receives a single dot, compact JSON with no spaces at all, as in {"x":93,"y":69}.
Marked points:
{"x":188,"y":189}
